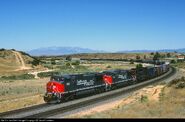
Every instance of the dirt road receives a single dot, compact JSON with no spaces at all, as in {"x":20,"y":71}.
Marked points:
{"x":20,"y":60}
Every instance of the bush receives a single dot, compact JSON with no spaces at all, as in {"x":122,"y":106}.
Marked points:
{"x":46,"y":74}
{"x":76,"y":63}
{"x":138,"y":66}
{"x":144,"y":98}
{"x":53,"y":62}
{"x":68,"y":58}
{"x":173,"y":61}
{"x":177,"y":82}
{"x":26,"y":76}
{"x":180,"y":85}
{"x":131,"y":61}
{"x":18,"y":77}
{"x":2,"y":49}
{"x":108,"y":66}
{"x":35,"y":62}
{"x":13,"y":49}
{"x":68,"y":64}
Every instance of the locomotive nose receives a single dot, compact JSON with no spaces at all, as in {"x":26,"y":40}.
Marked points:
{"x":50,"y":87}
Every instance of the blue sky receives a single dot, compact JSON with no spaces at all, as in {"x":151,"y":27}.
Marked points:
{"x":110,"y":25}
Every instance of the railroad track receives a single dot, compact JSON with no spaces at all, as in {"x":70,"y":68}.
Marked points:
{"x":49,"y":110}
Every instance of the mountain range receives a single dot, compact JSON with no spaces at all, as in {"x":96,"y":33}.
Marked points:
{"x":181,"y":50}
{"x":49,"y":51}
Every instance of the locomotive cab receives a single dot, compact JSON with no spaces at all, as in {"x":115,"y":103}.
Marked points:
{"x":55,"y":89}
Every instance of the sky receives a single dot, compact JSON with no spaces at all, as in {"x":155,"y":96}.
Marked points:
{"x":110,"y":25}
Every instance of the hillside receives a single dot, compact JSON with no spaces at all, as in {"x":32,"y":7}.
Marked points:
{"x":11,"y":60}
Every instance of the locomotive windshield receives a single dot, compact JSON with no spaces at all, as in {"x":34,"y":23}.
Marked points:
{"x":57,"y":79}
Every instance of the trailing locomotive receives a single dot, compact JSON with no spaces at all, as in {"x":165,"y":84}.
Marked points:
{"x":64,"y":87}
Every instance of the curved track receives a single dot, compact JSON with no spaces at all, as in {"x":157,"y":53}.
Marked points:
{"x":48,"y":110}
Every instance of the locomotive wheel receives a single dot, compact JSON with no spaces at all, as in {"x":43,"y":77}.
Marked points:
{"x":46,"y":99}
{"x":72,"y":97}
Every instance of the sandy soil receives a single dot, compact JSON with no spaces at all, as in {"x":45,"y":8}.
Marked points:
{"x":152,"y":93}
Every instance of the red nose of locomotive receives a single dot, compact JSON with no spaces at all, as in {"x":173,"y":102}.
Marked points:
{"x":54,"y":91}
{"x":107,"y":79}
{"x":54,"y":87}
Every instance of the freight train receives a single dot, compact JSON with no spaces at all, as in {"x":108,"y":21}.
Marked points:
{"x":66,"y":87}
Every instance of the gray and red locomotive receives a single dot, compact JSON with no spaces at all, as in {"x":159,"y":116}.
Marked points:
{"x":65,"y":87}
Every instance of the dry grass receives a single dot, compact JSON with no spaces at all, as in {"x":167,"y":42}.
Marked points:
{"x":10,"y":65}
{"x":21,"y":102}
{"x":116,"y":109}
{"x":20,"y":93}
{"x":170,"y":104}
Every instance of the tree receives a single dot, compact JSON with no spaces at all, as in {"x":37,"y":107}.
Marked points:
{"x":144,"y":57}
{"x":76,"y":63}
{"x":68,"y":58}
{"x":151,"y":53}
{"x":168,"y":55}
{"x":156,"y":56}
{"x":53,"y":61}
{"x":2,"y":49}
{"x":35,"y":62}
{"x":131,"y":61}
{"x":173,"y":61}
{"x":138,"y":66}
{"x":137,"y":57}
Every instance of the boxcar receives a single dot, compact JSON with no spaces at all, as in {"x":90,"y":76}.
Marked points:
{"x":141,"y":74}
{"x":151,"y":72}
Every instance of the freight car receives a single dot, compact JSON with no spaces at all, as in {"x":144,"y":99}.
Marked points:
{"x":65,"y":87}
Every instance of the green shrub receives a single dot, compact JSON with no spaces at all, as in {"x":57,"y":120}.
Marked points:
{"x":2,"y":49}
{"x":18,"y":77}
{"x":35,"y":62}
{"x":178,"y":82}
{"x":26,"y":76}
{"x":173,"y":61}
{"x":180,"y":85}
{"x":76,"y":63}
{"x":144,"y":98}
{"x":46,"y":74}
{"x":68,"y":64}
{"x":131,"y":61}
{"x":175,"y":81}
{"x":138,"y":66}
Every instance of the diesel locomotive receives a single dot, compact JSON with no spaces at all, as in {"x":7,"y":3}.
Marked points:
{"x":65,"y":87}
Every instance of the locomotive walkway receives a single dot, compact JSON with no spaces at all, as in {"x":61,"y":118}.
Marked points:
{"x":51,"y":110}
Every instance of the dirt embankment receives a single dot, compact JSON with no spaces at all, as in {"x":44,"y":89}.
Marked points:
{"x":149,"y":93}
